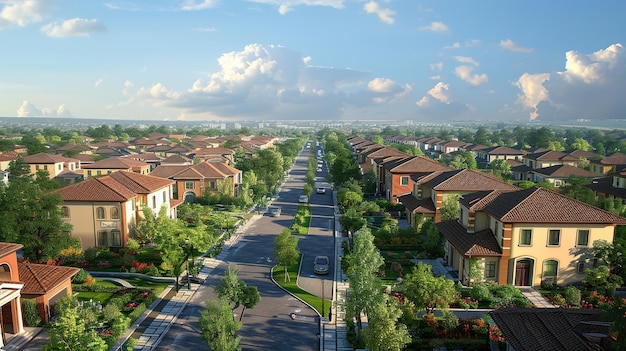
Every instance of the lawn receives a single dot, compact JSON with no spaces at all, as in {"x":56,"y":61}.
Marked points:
{"x":301,"y":220}
{"x":292,"y":287}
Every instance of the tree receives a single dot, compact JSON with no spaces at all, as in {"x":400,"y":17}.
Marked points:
{"x":363,"y":262}
{"x":352,"y":220}
{"x":286,"y":250}
{"x":218,"y":327}
{"x":580,"y":144}
{"x":384,"y":332}
{"x":501,"y":169}
{"x":575,"y":187}
{"x":450,"y":208}
{"x":347,"y":197}
{"x":69,"y":333}
{"x":426,"y":291}
{"x":236,"y":291}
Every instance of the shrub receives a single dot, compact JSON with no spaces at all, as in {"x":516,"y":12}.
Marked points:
{"x":80,"y":277}
{"x":110,"y":312}
{"x":572,"y":295}
{"x":558,"y":300}
{"x":30,"y":313}
{"x":479,"y":292}
{"x":448,"y":320}
{"x":89,"y":280}
{"x":90,"y":254}
{"x":505,"y":291}
{"x":521,"y":301}
{"x":152,"y":271}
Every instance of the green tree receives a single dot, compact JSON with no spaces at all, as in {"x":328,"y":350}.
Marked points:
{"x":236,"y":291}
{"x":352,"y":220}
{"x":575,"y":187}
{"x":364,"y":293}
{"x":69,"y":333}
{"x":218,"y":327}
{"x":286,"y":250}
{"x":426,"y":291}
{"x":501,"y":169}
{"x":384,"y":332}
{"x":450,"y":208}
{"x":580,"y":144}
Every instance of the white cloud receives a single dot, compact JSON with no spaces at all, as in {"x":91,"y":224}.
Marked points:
{"x":193,"y":5}
{"x":21,"y":13}
{"x":28,"y":109}
{"x":285,"y":6}
{"x":97,"y":83}
{"x":436,"y":66}
{"x":440,"y":103}
{"x":73,"y":27}
{"x":466,"y":44}
{"x":590,"y":87}
{"x":512,"y":46}
{"x":273,"y":82}
{"x":466,"y":59}
{"x":384,"y":14}
{"x":465,"y":73}
{"x":435,"y":27}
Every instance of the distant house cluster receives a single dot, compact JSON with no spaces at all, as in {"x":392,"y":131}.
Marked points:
{"x":523,"y":237}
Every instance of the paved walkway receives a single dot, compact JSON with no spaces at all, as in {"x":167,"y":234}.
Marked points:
{"x":536,"y":298}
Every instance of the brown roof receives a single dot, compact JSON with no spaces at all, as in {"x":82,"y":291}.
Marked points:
{"x":564,"y":171}
{"x":217,"y":170}
{"x":43,"y":157}
{"x":39,"y":279}
{"x":540,"y":205}
{"x":614,"y":159}
{"x":551,"y":156}
{"x":417,"y":164}
{"x":502,"y":150}
{"x":482,"y":243}
{"x":116,"y":163}
{"x":8,"y":248}
{"x":417,"y":206}
{"x":549,"y":329}
{"x":467,"y":180}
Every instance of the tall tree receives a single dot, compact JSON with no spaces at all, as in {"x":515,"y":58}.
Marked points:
{"x":236,"y":291}
{"x":218,"y":327}
{"x":384,"y":332}
{"x":426,"y":291}
{"x":69,"y":333}
{"x":286,"y":250}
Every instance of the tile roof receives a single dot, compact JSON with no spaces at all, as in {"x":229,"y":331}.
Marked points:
{"x":8,"y":248}
{"x":176,"y":159}
{"x":605,"y":186}
{"x":564,"y":171}
{"x":549,"y":329}
{"x":614,"y":159}
{"x":540,"y":205}
{"x":116,"y":187}
{"x":417,"y":206}
{"x":202,"y":170}
{"x":43,"y":157}
{"x":7,"y":157}
{"x":482,"y":243}
{"x":551,"y":156}
{"x":417,"y":164}
{"x":467,"y":180}
{"x":39,"y":279}
{"x":116,"y":163}
{"x":502,"y":150}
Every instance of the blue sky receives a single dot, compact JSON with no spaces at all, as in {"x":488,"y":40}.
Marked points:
{"x":313,"y":59}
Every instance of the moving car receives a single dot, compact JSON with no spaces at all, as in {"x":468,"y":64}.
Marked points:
{"x":321,"y":190}
{"x":303,"y":199}
{"x":320,"y":265}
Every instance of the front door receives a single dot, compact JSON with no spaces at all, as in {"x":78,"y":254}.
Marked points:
{"x":522,"y":272}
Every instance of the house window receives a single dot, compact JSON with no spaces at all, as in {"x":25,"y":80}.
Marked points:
{"x":525,"y":237}
{"x":580,"y":267}
{"x":110,"y":239}
{"x":404,"y":180}
{"x":115,"y":213}
{"x":88,"y":173}
{"x":550,"y":268}
{"x":490,"y":270}
{"x":100,"y":213}
{"x":59,"y":167}
{"x":98,"y":172}
{"x":212,"y":185}
{"x":188,"y":185}
{"x":164,"y":196}
{"x":65,"y":212}
{"x":153,"y":201}
{"x":115,"y":238}
{"x":45,"y":167}
{"x":103,"y":238}
{"x":554,"y":237}
{"x":583,"y":237}
{"x":557,"y":183}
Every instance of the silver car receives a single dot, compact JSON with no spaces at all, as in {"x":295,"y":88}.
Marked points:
{"x":320,"y":265}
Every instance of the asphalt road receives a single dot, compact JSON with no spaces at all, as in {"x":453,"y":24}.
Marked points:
{"x":268,"y":326}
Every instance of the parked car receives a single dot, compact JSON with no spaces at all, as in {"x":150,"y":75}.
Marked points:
{"x":321,"y":190}
{"x":320,"y":265}
{"x":274,"y":211}
{"x":303,"y":199}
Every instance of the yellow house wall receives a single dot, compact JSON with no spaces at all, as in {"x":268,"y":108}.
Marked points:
{"x":567,"y":254}
{"x":100,"y":171}
{"x":84,"y":222}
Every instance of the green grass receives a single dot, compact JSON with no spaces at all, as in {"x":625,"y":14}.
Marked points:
{"x":292,"y":287}
{"x":301,"y":220}
{"x":101,"y":297}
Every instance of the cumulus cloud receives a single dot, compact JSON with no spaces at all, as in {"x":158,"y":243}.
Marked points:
{"x":73,"y":27}
{"x":466,"y":59}
{"x":27,"y":109}
{"x":435,"y":27}
{"x":21,"y":13}
{"x":466,"y":44}
{"x":590,"y":87}
{"x":467,"y":75}
{"x":384,"y":14}
{"x":512,"y":46}
{"x":193,"y":5}
{"x":274,"y":82}
{"x":285,"y":6}
{"x":440,"y":102}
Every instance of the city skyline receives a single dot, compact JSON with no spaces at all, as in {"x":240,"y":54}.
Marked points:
{"x":311,"y":59}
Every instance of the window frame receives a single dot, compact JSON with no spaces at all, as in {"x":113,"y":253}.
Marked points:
{"x":100,"y":213}
{"x":188,"y":187}
{"x":578,"y":236}
{"x":580,"y":264}
{"x":488,"y":269}
{"x":549,"y":240}
{"x":547,"y":274}
{"x":115,"y":213}
{"x":521,"y":237}
{"x":65,"y":212}
{"x":404,"y":180}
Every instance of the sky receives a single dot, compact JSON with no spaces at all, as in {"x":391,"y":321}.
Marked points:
{"x":266,"y":60}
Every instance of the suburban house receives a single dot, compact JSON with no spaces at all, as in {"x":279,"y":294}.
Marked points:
{"x":608,"y":164}
{"x":524,"y":237}
{"x":220,"y":154}
{"x":46,"y":285}
{"x":115,"y":164}
{"x":553,"y":329}
{"x":54,"y":164}
{"x":397,"y":174}
{"x":487,"y":155}
{"x":557,"y":175}
{"x":103,"y":211}
{"x":10,"y":292}
{"x":611,"y":187}
{"x":194,"y":181}
{"x":432,"y":189}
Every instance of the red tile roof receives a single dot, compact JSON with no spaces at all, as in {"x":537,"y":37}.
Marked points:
{"x":116,"y":163}
{"x":482,"y":243}
{"x":116,"y":187}
{"x":467,"y":180}
{"x":8,"y":248}
{"x":39,"y":279}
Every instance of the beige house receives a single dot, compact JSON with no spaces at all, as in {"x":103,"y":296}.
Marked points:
{"x":54,"y":164}
{"x":524,"y":237}
{"x":115,"y":164}
{"x":104,"y":210}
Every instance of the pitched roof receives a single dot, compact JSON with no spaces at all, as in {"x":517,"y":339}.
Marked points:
{"x":564,"y":171}
{"x":605,"y":185}
{"x":39,"y":279}
{"x":8,"y":248}
{"x":116,"y":163}
{"x":202,"y":170}
{"x":549,"y":329}
{"x":551,"y":156}
{"x":614,"y":159}
{"x":116,"y":187}
{"x":467,"y":180}
{"x":417,"y":206}
{"x":482,"y":243}
{"x":417,"y":164}
{"x":502,"y":150}
{"x":540,"y":205}
{"x":43,"y":157}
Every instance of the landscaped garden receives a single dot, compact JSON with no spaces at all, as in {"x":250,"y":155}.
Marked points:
{"x":301,"y":220}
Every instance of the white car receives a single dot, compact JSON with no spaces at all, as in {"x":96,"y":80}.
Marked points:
{"x":303,"y":199}
{"x":321,"y":190}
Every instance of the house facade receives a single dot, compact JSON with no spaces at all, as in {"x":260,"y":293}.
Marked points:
{"x":525,"y":237}
{"x":103,"y":211}
{"x":115,"y":164}
{"x":46,"y":285}
{"x":10,"y":292}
